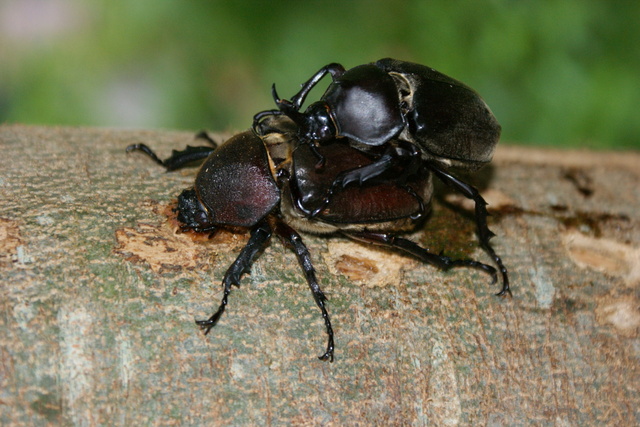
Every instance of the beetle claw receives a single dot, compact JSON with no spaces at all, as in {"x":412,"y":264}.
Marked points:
{"x":327,"y":356}
{"x":206,"y":325}
{"x":505,"y":292}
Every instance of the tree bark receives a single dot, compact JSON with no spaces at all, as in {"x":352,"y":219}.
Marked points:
{"x":99,"y":297}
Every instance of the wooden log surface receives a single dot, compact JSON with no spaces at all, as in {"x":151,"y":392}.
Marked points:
{"x":99,"y":296}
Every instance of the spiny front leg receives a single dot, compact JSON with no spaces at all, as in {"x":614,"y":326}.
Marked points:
{"x":259,"y":238}
{"x":293,"y":240}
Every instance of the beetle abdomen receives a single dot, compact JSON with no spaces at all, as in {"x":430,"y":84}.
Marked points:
{"x":446,"y":118}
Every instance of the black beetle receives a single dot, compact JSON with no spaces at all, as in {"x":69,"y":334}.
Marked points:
{"x":424,"y":119}
{"x":376,"y":102}
{"x":260,"y":182}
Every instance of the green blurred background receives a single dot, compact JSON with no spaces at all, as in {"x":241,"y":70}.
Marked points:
{"x":558,"y":73}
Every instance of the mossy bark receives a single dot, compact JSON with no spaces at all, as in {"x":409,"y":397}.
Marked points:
{"x":99,"y":296}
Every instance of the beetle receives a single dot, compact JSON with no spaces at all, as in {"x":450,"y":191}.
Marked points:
{"x":421,"y":116}
{"x":374,"y":103}
{"x":266,"y":182}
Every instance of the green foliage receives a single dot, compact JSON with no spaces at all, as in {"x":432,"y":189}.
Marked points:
{"x":560,"y":72}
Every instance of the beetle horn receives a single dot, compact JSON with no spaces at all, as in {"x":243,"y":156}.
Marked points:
{"x":287,"y":107}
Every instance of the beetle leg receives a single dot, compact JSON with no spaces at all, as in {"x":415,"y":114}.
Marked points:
{"x":259,"y":127}
{"x":484,"y":234}
{"x":260,"y":235}
{"x":421,"y":208}
{"x":178,"y":159}
{"x":321,"y":159}
{"x":405,"y":157}
{"x":293,"y":239}
{"x":365,"y":173}
{"x":359,"y":175}
{"x":203,"y":134}
{"x":440,"y":261}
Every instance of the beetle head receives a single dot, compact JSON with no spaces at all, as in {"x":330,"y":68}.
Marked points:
{"x":192,"y":213}
{"x":317,"y":123}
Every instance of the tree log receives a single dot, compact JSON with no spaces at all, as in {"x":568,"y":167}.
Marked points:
{"x":99,"y":297}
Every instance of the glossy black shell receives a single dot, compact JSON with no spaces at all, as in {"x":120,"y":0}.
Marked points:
{"x":364,"y":106}
{"x":388,"y":99}
{"x":445,"y":118}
